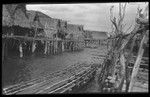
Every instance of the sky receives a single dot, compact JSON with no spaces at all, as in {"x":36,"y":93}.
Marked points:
{"x":94,"y":16}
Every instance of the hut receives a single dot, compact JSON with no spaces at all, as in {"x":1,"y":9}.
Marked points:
{"x":15,"y":23}
{"x":75,"y":32}
{"x":36,"y":24}
{"x":87,"y":34}
{"x":51,"y":26}
{"x":62,"y":28}
{"x":98,"y":37}
{"x":61,"y":34}
{"x":15,"y":17}
{"x":52,"y":29}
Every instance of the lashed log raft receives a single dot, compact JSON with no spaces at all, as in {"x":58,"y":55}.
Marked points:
{"x":63,"y":81}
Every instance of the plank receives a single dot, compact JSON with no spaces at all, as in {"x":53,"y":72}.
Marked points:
{"x":137,"y":64}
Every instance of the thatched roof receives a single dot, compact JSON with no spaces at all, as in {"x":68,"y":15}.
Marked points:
{"x":21,"y":20}
{"x":50,"y":25}
{"x":34,"y":19}
{"x":15,"y":14}
{"x":76,"y":30}
{"x":63,"y":26}
{"x":6,"y":17}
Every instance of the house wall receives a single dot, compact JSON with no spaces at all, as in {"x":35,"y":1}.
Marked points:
{"x":99,"y":35}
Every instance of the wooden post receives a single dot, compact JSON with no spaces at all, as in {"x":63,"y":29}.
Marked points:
{"x":53,"y":47}
{"x":3,"y":50}
{"x":63,"y":47}
{"x":45,"y":50}
{"x":137,"y":64}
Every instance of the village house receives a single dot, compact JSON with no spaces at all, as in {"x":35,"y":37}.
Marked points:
{"x":75,"y":31}
{"x":15,"y":22}
{"x":42,"y":21}
{"x":52,"y":28}
{"x":61,"y":28}
{"x":88,"y":34}
{"x":98,"y":37}
{"x":36,"y":24}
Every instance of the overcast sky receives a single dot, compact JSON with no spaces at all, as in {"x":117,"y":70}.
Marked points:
{"x":94,"y":16}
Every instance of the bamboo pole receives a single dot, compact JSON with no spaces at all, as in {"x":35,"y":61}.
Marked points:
{"x":137,"y":64}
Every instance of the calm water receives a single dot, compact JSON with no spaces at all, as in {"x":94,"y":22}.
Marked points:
{"x":16,"y":70}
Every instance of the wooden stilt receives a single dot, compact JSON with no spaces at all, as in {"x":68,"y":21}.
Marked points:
{"x":63,"y":46}
{"x":3,"y":50}
{"x":45,"y":50}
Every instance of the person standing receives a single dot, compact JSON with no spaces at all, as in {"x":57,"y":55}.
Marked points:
{"x":21,"y":50}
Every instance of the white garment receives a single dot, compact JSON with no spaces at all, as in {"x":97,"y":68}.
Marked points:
{"x":20,"y":50}
{"x":45,"y":51}
{"x":33,"y":47}
{"x":20,"y":47}
{"x":63,"y":46}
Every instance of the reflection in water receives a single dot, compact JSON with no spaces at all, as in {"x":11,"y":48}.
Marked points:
{"x":18,"y":70}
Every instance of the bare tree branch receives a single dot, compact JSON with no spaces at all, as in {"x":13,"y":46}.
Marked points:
{"x":128,"y":28}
